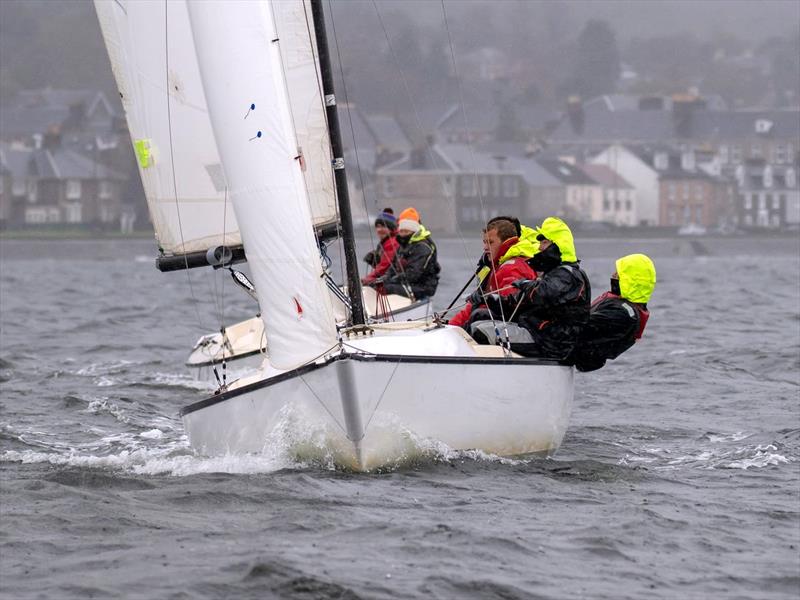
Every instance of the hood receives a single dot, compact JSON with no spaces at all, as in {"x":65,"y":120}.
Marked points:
{"x":637,"y":277}
{"x":421,"y":234}
{"x":526,"y":246}
{"x":555,"y":230}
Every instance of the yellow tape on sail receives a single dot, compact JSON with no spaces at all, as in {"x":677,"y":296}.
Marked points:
{"x":143,"y":154}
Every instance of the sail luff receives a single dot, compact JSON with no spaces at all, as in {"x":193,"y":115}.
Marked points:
{"x":240,"y":65}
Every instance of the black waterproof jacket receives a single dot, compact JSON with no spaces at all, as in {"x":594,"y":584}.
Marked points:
{"x":415,"y":267}
{"x":613,"y":327}
{"x":554,"y":310}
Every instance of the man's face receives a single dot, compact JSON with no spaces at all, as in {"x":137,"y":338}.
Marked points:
{"x":493,"y":244}
{"x":485,"y":243}
{"x":544,"y":245}
{"x":382,"y":231}
{"x":404,"y":233}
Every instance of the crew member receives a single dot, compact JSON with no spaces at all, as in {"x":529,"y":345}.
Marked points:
{"x":507,"y":256}
{"x":381,"y":258}
{"x":549,"y":313}
{"x":617,"y":318}
{"x":414,"y":271}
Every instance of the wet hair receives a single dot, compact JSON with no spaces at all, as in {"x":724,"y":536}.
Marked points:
{"x":514,"y":221}
{"x":388,"y":211}
{"x":505,"y":229}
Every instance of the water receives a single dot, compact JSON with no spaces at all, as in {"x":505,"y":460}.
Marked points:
{"x":678,"y":478}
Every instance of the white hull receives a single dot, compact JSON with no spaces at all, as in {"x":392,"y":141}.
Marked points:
{"x":247,"y":345}
{"x":373,"y":407}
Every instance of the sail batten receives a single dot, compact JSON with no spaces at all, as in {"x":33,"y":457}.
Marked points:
{"x":243,"y":77}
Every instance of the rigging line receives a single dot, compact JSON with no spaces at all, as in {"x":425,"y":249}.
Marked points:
{"x":322,"y":404}
{"x":172,"y":162}
{"x":463,"y":111}
{"x":449,"y":194}
{"x":350,"y":118}
{"x":383,"y":393}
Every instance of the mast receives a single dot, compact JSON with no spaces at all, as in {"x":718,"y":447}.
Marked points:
{"x":342,"y":193}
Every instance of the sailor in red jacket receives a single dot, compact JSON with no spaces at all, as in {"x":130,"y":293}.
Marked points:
{"x":509,"y":263}
{"x":381,"y":258}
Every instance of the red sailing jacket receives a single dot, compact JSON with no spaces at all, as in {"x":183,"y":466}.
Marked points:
{"x":499,"y":279}
{"x":388,"y":247}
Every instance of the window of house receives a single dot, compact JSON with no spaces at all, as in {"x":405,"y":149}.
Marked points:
{"x":510,"y":187}
{"x":748,"y":220}
{"x":723,"y":154}
{"x":698,"y":191}
{"x":779,"y":153}
{"x":736,"y":154}
{"x":687,"y":214}
{"x":606,"y":205}
{"x":73,"y":189}
{"x":485,"y":185}
{"x":616,"y":204}
{"x":698,"y":214}
{"x":53,"y":215}
{"x":762,"y":202}
{"x":671,"y":191}
{"x":748,"y":201}
{"x":685,"y":191}
{"x":468,"y":187}
{"x":74,"y":210}
{"x":756,"y":150}
{"x":789,"y":153}
{"x":628,"y":205}
{"x":673,"y":216}
{"x":776,"y":220}
{"x":777,"y":199}
{"x":18,"y":187}
{"x":105,"y":189}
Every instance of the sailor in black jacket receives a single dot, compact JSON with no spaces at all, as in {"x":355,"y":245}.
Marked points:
{"x":618,"y":317}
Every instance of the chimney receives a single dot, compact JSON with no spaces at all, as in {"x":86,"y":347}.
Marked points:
{"x":52,"y":139}
{"x":577,"y":117}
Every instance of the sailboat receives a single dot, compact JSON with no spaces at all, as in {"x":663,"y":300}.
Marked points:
{"x":376,"y":387}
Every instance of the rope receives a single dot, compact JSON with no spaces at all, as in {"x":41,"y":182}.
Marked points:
{"x":172,"y":162}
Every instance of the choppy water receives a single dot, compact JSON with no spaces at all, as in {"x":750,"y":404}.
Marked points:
{"x":678,"y":478}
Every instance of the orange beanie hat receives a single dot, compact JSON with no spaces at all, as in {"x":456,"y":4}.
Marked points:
{"x":409,"y":213}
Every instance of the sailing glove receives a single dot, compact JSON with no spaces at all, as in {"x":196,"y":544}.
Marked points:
{"x":525,"y":285}
{"x":476,"y":297}
{"x":483,"y":261}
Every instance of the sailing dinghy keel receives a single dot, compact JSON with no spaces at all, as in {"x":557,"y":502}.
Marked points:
{"x":379,"y":409}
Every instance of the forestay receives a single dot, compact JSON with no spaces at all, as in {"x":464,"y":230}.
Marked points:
{"x":153,"y":57}
{"x":239,"y":55}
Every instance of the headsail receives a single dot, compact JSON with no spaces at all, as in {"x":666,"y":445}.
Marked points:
{"x":154,"y":62}
{"x":239,"y":55}
{"x":153,"y":58}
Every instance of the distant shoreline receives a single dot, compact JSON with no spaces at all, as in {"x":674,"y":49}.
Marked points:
{"x":25,"y":234}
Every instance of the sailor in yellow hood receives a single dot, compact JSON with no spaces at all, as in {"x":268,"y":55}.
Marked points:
{"x":618,"y":317}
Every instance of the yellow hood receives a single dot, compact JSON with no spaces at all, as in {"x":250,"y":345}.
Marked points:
{"x":526,"y":247}
{"x":555,"y":230}
{"x":637,"y":277}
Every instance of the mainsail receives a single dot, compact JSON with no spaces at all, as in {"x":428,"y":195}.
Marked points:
{"x":154,"y":60}
{"x":248,"y":100}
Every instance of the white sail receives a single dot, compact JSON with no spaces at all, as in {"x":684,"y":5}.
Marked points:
{"x":243,"y":78}
{"x":153,"y":58}
{"x":295,"y":30}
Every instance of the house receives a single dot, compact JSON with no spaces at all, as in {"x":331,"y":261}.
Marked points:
{"x":768,"y":195}
{"x":583,"y":195}
{"x":459,"y":187}
{"x":55,"y":185}
{"x":618,"y":205}
{"x":684,"y":121}
{"x":640,"y":173}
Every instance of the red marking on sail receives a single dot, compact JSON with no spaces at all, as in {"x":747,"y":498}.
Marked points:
{"x":298,"y":308}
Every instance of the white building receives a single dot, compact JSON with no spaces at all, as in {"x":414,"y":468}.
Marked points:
{"x":639,"y":174}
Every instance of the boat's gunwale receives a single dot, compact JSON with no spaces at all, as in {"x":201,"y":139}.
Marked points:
{"x":365,"y":357}
{"x":234,"y":357}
